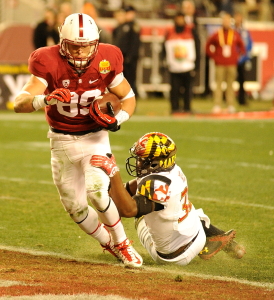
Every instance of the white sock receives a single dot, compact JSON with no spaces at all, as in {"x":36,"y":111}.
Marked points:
{"x":92,"y":226}
{"x":113,"y":222}
{"x":101,"y":234}
{"x":117,"y":232}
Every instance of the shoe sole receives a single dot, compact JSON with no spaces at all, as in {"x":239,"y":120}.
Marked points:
{"x":225,"y":239}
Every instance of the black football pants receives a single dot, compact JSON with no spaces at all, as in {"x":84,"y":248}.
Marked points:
{"x":181,"y":84}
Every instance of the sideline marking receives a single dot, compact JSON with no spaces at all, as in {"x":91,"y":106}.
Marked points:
{"x":266,"y":285}
{"x":68,"y":297}
{"x":7,"y":283}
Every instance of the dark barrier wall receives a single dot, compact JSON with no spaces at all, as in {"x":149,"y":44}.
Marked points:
{"x":12,"y":79}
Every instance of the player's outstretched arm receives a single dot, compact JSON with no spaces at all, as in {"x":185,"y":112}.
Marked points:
{"x":23,"y":101}
{"x":125,"y":204}
{"x":31,"y":98}
{"x":128,"y":203}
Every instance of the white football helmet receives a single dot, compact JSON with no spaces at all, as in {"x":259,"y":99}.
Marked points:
{"x":79,"y":29}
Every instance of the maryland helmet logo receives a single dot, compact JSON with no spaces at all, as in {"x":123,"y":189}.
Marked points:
{"x":104,"y":66}
{"x":154,"y":144}
{"x":153,"y":153}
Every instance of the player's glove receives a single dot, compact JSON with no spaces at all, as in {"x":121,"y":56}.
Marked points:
{"x":62,"y":95}
{"x":106,"y":163}
{"x":107,"y":120}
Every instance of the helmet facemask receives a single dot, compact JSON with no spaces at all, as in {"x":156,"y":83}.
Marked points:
{"x":139,"y":167}
{"x":80,"y":63}
{"x":152,"y":153}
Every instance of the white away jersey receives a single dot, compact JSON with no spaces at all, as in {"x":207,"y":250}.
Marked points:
{"x":177,"y":224}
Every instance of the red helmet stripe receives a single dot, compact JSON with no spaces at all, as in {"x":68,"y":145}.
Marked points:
{"x":81,"y":29}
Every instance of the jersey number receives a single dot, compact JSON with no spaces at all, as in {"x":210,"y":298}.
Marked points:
{"x":187,"y":205}
{"x":78,"y":104}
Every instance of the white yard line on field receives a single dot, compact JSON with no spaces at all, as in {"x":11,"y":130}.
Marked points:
{"x":267,"y":285}
{"x":198,"y":163}
{"x":11,"y":198}
{"x":13,"y":179}
{"x":229,"y":202}
{"x":41,"y":146}
{"x":139,"y":119}
{"x":23,"y":117}
{"x":217,"y":140}
{"x":28,"y":146}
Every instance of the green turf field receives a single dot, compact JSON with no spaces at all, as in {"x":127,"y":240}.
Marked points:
{"x":230,"y":171}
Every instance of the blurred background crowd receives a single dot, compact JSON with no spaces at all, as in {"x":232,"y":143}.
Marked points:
{"x":252,"y":9}
{"x":260,"y":10}
{"x":140,"y":29}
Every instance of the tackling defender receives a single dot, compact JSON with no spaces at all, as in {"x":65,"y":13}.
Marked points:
{"x":167,"y":223}
{"x":65,"y":80}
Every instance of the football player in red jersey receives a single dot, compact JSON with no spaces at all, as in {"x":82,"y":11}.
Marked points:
{"x":66,"y":79}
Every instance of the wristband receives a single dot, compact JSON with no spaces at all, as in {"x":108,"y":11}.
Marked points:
{"x":39,"y":102}
{"x":121,"y":117}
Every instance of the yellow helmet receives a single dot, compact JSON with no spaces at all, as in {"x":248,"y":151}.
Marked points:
{"x":153,"y":153}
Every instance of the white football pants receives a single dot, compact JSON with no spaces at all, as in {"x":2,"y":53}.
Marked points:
{"x":183,"y":259}
{"x":76,"y":180}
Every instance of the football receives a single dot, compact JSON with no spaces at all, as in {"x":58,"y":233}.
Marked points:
{"x":113,"y":99}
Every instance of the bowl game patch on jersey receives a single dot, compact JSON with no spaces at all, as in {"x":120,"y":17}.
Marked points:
{"x":104,"y":66}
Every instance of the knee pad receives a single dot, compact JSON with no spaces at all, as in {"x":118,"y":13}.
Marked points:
{"x":100,"y":199}
{"x":79,"y":215}
{"x":97,"y":183}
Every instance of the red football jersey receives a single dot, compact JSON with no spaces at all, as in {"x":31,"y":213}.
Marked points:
{"x":48,"y":63}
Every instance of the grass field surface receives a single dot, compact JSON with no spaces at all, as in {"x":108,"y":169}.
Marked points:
{"x":229,"y":165}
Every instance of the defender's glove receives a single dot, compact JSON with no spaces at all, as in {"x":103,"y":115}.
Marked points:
{"x":62,"y":95}
{"x":107,"y":120}
{"x":106,"y":163}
